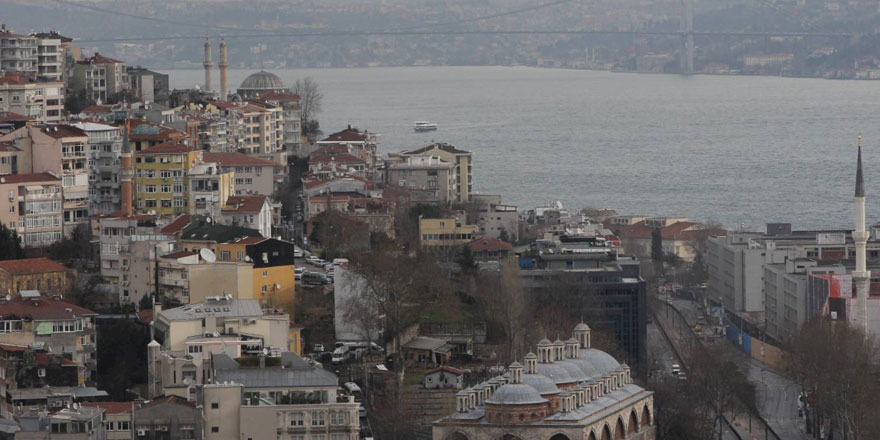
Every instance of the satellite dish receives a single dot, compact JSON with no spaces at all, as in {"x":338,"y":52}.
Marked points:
{"x":208,"y":220}
{"x":265,"y":351}
{"x":208,"y":255}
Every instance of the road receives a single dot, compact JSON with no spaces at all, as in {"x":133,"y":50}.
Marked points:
{"x":776,"y":395}
{"x":662,"y":357}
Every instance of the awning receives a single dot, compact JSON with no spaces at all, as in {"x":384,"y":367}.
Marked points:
{"x":44,"y":328}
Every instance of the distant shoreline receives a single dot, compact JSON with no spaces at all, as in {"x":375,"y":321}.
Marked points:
{"x":199,"y":68}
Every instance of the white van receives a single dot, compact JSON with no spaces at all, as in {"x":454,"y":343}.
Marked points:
{"x":340,"y":355}
{"x":340,"y":261}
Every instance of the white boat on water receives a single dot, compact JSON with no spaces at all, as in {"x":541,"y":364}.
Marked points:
{"x":425,"y":126}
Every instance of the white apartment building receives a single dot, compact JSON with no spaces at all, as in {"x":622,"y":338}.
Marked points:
{"x":105,"y":147}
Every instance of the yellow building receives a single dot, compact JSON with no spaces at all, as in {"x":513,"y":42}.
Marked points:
{"x":162,"y":178}
{"x":446,"y":232}
{"x":295,"y":338}
{"x":273,"y":276}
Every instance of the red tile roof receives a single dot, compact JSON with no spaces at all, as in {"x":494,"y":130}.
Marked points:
{"x":174,"y":400}
{"x":44,"y":359}
{"x":101,"y":59}
{"x":11,"y":116}
{"x":167,"y":148}
{"x":243,"y":204}
{"x":14,"y":79}
{"x":29,"y":266}
{"x":42,"y":309}
{"x":440,"y":146}
{"x":489,"y":244}
{"x":177,"y":225}
{"x":145,"y":316}
{"x":348,"y":135}
{"x":329,"y":149}
{"x":675,"y":231}
{"x":59,"y":131}
{"x":97,"y":109}
{"x":29,"y":178}
{"x":237,"y":159}
{"x":341,"y":158}
{"x":323,"y":198}
{"x":180,"y":254}
{"x":111,"y":408}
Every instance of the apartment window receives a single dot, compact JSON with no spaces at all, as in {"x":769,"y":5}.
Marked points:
{"x":240,"y":256}
{"x":215,"y":405}
{"x":297,"y":419}
{"x":215,"y":429}
{"x":224,"y":255}
{"x":265,"y":273}
{"x":150,"y":188}
{"x":337,"y":436}
{"x":178,"y":187}
{"x":123,"y":426}
{"x":318,"y":437}
{"x":317,"y":417}
{"x":166,"y":188}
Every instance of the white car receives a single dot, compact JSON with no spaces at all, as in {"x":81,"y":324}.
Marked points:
{"x":298,"y":273}
{"x":676,"y":369}
{"x":297,"y":253}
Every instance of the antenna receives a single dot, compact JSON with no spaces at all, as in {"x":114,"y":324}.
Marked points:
{"x":208,"y":255}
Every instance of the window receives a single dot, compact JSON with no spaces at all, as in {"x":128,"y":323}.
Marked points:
{"x":318,"y":419}
{"x":240,"y":256}
{"x":224,"y":255}
{"x":10,"y":326}
{"x":166,"y":188}
{"x":337,"y":436}
{"x":123,"y":426}
{"x":318,"y":437}
{"x":178,"y":187}
{"x":337,"y":417}
{"x":296,"y":419}
{"x":215,"y":429}
{"x":215,"y":405}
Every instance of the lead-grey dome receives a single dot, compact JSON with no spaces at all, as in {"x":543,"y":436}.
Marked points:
{"x":557,"y":373}
{"x":574,"y":370}
{"x":515,"y":394}
{"x":261,"y":81}
{"x":596,"y":363}
{"x":540,"y":383}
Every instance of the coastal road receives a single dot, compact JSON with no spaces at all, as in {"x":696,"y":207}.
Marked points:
{"x":662,"y":356}
{"x":776,"y":395}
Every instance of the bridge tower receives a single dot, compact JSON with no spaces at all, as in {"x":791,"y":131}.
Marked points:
{"x":686,"y":31}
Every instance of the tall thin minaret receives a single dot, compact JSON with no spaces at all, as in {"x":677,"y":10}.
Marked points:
{"x":209,"y":65}
{"x":861,"y":276}
{"x":224,"y":63}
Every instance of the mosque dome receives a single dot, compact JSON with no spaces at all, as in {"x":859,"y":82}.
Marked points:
{"x":602,"y":363}
{"x":581,"y":327}
{"x":545,"y":343}
{"x":574,"y":370}
{"x":515,"y":394}
{"x":555,"y":372}
{"x":262,"y":81}
{"x":540,"y":383}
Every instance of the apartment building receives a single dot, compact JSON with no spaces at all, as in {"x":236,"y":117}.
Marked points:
{"x":150,"y":86}
{"x":435,"y":178}
{"x":462,"y":161}
{"x":263,"y":132}
{"x":291,"y":116}
{"x":162,"y":178}
{"x":18,"y":53}
{"x":81,"y":423}
{"x":118,"y":418}
{"x":105,"y":148}
{"x":786,"y":299}
{"x":52,"y":58}
{"x":188,"y":277}
{"x":35,"y":320}
{"x":101,"y":77}
{"x":41,"y":274}
{"x":284,"y":396}
{"x":360,"y":143}
{"x":252,"y":174}
{"x":143,"y":135}
{"x":446,"y":231}
{"x":253,"y":212}
{"x":41,"y":101}
{"x":193,"y":333}
{"x":273,"y":260}
{"x":118,"y":237}
{"x":209,"y":188}
{"x":167,"y":418}
{"x":32,"y":205}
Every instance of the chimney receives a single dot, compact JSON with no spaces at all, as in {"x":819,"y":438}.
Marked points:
{"x":208,"y":65}
{"x":223,"y":65}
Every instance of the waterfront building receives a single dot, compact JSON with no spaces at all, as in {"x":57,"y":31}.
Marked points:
{"x":680,"y":237}
{"x":431,"y":177}
{"x":786,"y":297}
{"x":162,"y":177}
{"x":291,"y":115}
{"x":495,"y":219}
{"x":462,"y":161}
{"x":362,"y":144}
{"x":568,"y":390}
{"x":41,"y":101}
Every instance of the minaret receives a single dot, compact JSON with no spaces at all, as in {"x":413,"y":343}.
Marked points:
{"x":209,"y":65}
{"x":861,"y":276}
{"x":126,"y":172}
{"x":223,"y":65}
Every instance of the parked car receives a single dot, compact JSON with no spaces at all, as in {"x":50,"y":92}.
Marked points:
{"x":676,"y":369}
{"x":298,"y":272}
{"x":297,"y":252}
{"x":318,"y":348}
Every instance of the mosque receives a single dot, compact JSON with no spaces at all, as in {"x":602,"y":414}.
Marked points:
{"x":568,"y":391}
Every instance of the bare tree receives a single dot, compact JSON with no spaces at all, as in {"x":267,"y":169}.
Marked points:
{"x":718,"y":385}
{"x":834,"y":364}
{"x":310,"y":98}
{"x":503,"y":301}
